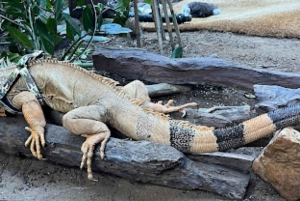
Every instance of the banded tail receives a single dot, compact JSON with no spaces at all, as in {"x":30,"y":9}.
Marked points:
{"x":197,"y":139}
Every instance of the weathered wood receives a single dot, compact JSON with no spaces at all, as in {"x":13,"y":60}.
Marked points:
{"x":240,"y":162}
{"x":273,"y":97}
{"x":134,"y":63}
{"x":141,"y":161}
{"x":219,"y":116}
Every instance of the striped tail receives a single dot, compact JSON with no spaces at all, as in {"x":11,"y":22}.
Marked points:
{"x":196,"y":139}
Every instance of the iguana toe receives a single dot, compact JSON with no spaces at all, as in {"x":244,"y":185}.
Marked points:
{"x":35,"y":140}
{"x":169,"y":103}
{"x":88,"y":148}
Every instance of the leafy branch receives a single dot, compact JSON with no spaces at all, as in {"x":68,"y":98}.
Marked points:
{"x":30,"y":25}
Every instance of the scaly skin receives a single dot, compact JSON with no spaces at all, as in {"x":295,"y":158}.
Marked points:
{"x":91,"y":102}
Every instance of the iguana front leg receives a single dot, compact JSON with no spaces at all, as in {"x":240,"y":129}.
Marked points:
{"x":89,"y":122}
{"x":34,"y":116}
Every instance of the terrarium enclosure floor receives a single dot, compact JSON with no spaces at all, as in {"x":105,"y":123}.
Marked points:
{"x":29,"y":179}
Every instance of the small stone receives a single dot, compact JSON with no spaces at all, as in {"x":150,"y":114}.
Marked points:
{"x":279,"y":164}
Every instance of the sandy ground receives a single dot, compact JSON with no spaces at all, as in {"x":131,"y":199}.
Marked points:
{"x":29,"y":179}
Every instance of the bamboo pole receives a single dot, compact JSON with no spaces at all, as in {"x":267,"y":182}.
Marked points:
{"x":158,"y":23}
{"x":169,"y":28}
{"x":137,"y":24}
{"x":175,"y":23}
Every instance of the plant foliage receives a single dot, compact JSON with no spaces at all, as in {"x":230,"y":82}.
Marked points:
{"x":122,"y":8}
{"x":41,"y":24}
{"x":32,"y":24}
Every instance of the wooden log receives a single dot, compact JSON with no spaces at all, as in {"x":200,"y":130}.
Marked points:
{"x":140,"y":161}
{"x":134,"y":63}
{"x":239,"y":162}
{"x":273,"y":97}
{"x":219,"y":116}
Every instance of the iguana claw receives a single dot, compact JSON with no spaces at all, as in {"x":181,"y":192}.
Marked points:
{"x":183,"y":112}
{"x":88,"y":148}
{"x":167,"y":108}
{"x":35,"y":140}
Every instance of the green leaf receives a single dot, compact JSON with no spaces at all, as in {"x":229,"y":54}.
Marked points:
{"x":80,"y":2}
{"x":20,"y":37}
{"x":14,"y":57}
{"x":88,"y":18}
{"x":48,"y":4}
{"x":15,"y":48}
{"x":122,"y":8}
{"x":14,"y":9}
{"x":122,"y":5}
{"x":120,"y":19}
{"x":100,"y":6}
{"x":42,"y":29}
{"x":47,"y":40}
{"x":48,"y":45}
{"x":57,"y":39}
{"x":177,"y":53}
{"x":44,"y":10}
{"x":58,"y":9}
{"x":3,"y":54}
{"x":72,"y":27}
{"x":99,"y":21}
{"x":15,"y":4}
{"x":69,"y":31}
{"x":148,"y":1}
{"x":52,"y":25}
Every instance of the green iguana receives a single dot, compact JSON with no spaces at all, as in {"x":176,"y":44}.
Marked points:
{"x":91,"y":102}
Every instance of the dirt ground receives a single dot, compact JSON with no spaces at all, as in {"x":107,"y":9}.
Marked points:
{"x":30,"y":179}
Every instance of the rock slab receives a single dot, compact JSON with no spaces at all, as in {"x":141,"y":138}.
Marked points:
{"x":279,"y":163}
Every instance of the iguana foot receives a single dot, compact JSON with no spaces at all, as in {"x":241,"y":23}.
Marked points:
{"x":88,"y":147}
{"x":35,"y":140}
{"x":167,"y":108}
{"x":87,"y":121}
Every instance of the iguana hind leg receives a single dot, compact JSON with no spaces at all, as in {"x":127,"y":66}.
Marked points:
{"x":159,"y":107}
{"x":89,"y":122}
{"x":34,"y":116}
{"x":137,"y":89}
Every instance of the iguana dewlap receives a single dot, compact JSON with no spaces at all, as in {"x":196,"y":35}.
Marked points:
{"x":91,"y":102}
